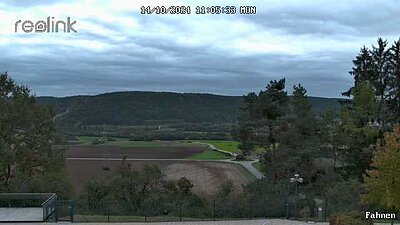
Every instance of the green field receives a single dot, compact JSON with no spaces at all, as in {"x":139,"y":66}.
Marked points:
{"x":209,"y":154}
{"x":258,"y":166}
{"x":92,"y":138}
{"x":230,"y":146}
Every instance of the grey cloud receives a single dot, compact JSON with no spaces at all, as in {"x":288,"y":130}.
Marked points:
{"x":159,"y":63}
{"x":198,"y":71}
{"x":360,"y":18}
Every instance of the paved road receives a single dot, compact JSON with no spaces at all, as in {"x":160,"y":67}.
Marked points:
{"x":249,"y":166}
{"x":246,"y":164}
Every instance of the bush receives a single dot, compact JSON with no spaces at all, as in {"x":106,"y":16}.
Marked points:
{"x":240,"y":157}
{"x":111,"y":139}
{"x":97,"y":141}
{"x":349,"y":218}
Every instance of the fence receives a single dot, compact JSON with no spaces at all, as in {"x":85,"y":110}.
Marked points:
{"x":27,"y":207}
{"x":212,"y":210}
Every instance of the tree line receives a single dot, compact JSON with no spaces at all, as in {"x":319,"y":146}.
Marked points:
{"x":349,"y":150}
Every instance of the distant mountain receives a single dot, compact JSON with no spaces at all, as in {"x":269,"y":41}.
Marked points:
{"x":138,"y":108}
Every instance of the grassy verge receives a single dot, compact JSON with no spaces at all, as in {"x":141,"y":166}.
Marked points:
{"x":258,"y":166}
{"x":230,"y":146}
{"x":209,"y":154}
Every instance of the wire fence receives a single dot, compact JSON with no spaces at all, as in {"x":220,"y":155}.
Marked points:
{"x":214,"y":210}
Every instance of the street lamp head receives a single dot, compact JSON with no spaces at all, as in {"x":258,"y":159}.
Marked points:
{"x":296,"y":179}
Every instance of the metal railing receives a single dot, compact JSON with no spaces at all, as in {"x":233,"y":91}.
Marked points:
{"x":45,"y":201}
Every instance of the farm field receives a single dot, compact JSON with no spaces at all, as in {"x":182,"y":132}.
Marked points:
{"x":86,"y":162}
{"x":125,"y":142}
{"x":206,"y":176}
{"x":134,"y":153}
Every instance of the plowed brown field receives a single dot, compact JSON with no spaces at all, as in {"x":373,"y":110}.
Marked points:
{"x":206,"y":176}
{"x":134,"y":153}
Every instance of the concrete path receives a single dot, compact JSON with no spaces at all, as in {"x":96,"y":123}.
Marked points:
{"x":249,"y":166}
{"x":21,"y":214}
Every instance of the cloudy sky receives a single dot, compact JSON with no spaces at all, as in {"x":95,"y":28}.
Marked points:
{"x":117,"y":48}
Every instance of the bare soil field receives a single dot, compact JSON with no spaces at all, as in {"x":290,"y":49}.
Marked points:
{"x":133,"y":152}
{"x":206,"y":176}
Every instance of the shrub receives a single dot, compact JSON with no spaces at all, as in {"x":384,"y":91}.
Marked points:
{"x":349,"y":218}
{"x":240,"y":157}
{"x":97,"y":141}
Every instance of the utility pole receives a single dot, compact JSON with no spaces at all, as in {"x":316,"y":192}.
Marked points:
{"x":105,"y":166}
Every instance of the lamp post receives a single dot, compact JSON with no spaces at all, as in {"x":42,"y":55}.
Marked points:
{"x":296,"y":180}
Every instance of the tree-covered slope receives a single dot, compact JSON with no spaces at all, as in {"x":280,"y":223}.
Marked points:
{"x":136,"y":108}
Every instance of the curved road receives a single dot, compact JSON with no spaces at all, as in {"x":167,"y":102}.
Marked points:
{"x":246,"y":164}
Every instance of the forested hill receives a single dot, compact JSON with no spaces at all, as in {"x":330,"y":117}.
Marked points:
{"x":136,"y":108}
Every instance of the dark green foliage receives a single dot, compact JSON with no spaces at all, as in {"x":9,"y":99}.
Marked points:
{"x":268,"y":197}
{"x":296,"y":140}
{"x":379,"y":67}
{"x":226,"y":189}
{"x":29,"y":162}
{"x":358,"y":132}
{"x":138,"y":108}
{"x":350,"y":218}
{"x":155,"y":108}
{"x":259,"y":123}
{"x":130,"y":191}
{"x":343,"y":196}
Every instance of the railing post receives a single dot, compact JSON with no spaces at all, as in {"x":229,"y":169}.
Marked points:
{"x":56,"y":204}
{"x":71,"y":210}
{"x":214,"y":210}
